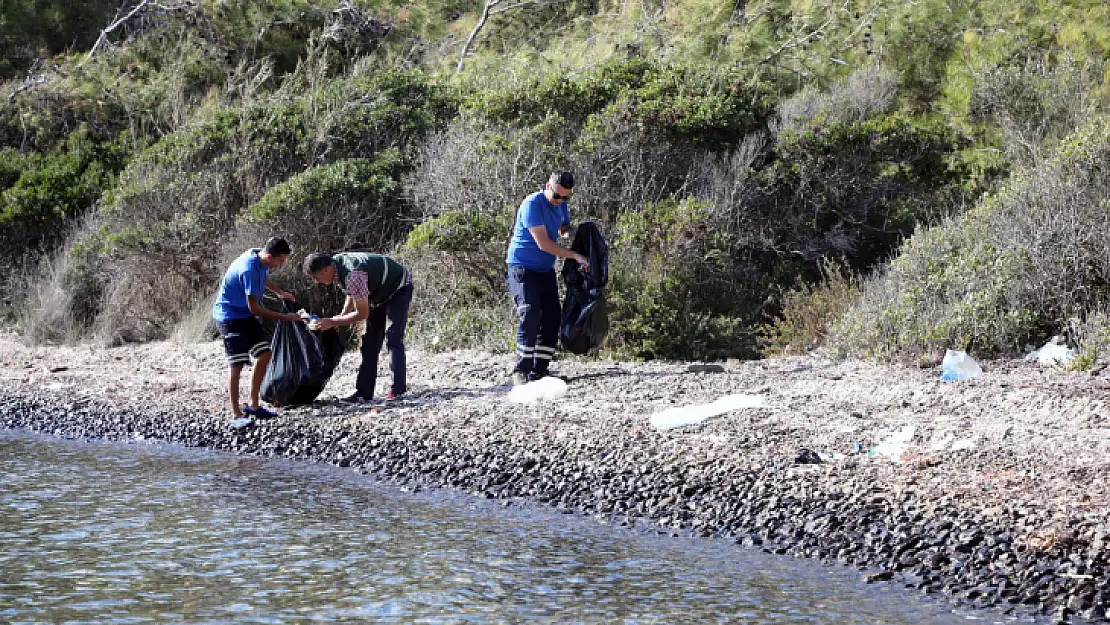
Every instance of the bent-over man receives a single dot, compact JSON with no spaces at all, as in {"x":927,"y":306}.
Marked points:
{"x":379,"y":290}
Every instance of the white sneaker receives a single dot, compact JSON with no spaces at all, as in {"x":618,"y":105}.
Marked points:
{"x":240,"y":423}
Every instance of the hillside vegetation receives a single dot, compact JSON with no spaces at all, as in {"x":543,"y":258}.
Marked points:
{"x":887,"y":179}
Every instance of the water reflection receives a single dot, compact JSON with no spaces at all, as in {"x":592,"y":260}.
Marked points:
{"x":104,"y":533}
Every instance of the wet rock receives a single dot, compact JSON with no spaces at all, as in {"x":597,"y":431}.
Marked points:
{"x":807,"y":456}
{"x":882,"y":576}
{"x":699,"y":367}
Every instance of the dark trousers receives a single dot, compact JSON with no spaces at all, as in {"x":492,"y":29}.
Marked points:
{"x":396,"y":312}
{"x":536,"y":295}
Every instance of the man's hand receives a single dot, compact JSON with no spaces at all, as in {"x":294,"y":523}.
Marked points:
{"x":326,"y":323}
{"x":582,"y":260}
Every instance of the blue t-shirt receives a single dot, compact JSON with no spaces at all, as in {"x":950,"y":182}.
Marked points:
{"x":535,"y":210}
{"x":246,"y":276}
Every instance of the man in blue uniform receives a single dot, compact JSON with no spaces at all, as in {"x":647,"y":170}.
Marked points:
{"x":542,"y":217}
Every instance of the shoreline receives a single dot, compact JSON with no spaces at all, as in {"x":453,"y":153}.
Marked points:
{"x":1001,"y":502}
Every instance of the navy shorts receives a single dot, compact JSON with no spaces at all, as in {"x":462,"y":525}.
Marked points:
{"x":244,"y":339}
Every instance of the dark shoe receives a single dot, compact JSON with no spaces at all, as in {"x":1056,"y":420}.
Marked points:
{"x":355,"y":398}
{"x":259,"y":412}
{"x":394,"y":396}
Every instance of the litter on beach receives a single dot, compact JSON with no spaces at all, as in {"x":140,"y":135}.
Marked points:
{"x":1052,"y":354}
{"x":959,"y":366}
{"x":948,"y":442}
{"x":895,"y":445}
{"x":689,"y":415}
{"x":544,"y":389}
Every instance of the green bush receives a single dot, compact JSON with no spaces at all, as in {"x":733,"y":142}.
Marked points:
{"x":715,"y":107}
{"x":1032,"y":107}
{"x":573,"y":99}
{"x":1013,"y":270}
{"x":45,"y":192}
{"x":350,"y":204}
{"x":237,"y":175}
{"x":31,"y":27}
{"x":390,"y":109}
{"x":809,"y":310}
{"x":859,"y":188}
{"x":675,"y":290}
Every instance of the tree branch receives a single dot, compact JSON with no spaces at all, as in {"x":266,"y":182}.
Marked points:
{"x":474,"y":33}
{"x":817,"y":33}
{"x":27,"y":85}
{"x":489,"y":10}
{"x":104,"y":33}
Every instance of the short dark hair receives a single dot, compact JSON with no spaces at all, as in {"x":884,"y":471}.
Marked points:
{"x":316,"y":262}
{"x":277,"y":246}
{"x":564,"y":179}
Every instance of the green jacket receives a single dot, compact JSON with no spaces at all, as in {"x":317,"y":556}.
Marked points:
{"x":384,"y":276}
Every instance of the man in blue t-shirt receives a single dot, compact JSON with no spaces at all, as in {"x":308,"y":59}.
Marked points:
{"x":542,"y":217}
{"x":235,"y":310}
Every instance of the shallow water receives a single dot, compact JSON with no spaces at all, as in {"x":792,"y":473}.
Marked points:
{"x":113,"y":533}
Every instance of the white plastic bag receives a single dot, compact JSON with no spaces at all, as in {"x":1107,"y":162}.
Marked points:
{"x":689,"y":415}
{"x":545,"y":389}
{"x":895,"y":445}
{"x":1053,"y":354}
{"x":959,"y":366}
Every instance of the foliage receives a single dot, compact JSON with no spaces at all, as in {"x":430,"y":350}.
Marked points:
{"x":731,"y":149}
{"x":809,"y":310}
{"x":1012,"y":270}
{"x":174,"y":213}
{"x":52,"y":26}
{"x":42,"y":192}
{"x":673,"y":292}
{"x":712,"y":106}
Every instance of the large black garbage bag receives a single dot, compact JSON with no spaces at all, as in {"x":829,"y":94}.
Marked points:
{"x":585,"y":319}
{"x":302,"y":363}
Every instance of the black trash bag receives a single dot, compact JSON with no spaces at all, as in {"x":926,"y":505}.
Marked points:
{"x":585,"y":318}
{"x":302,"y":363}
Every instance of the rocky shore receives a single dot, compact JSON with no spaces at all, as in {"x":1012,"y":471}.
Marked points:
{"x":999,"y":499}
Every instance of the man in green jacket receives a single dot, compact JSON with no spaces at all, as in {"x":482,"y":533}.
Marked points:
{"x":378,"y":289}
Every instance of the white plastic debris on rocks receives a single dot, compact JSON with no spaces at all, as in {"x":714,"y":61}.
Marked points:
{"x":543,"y":389}
{"x":689,"y":415}
{"x":958,"y":366}
{"x":949,"y":442}
{"x":1052,"y":354}
{"x":894,"y":447}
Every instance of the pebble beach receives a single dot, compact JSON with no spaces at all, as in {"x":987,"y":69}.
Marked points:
{"x":992,"y":491}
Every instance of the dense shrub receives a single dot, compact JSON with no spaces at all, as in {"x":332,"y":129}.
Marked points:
{"x":51,"y":26}
{"x":458,"y":263}
{"x":38,"y":194}
{"x":173,"y":215}
{"x":1035,"y":105}
{"x":1013,"y":270}
{"x":809,"y":310}
{"x":706,"y":240}
{"x":676,"y":290}
{"x":864,"y":186}
{"x":714,"y":107}
{"x":863,"y":94}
